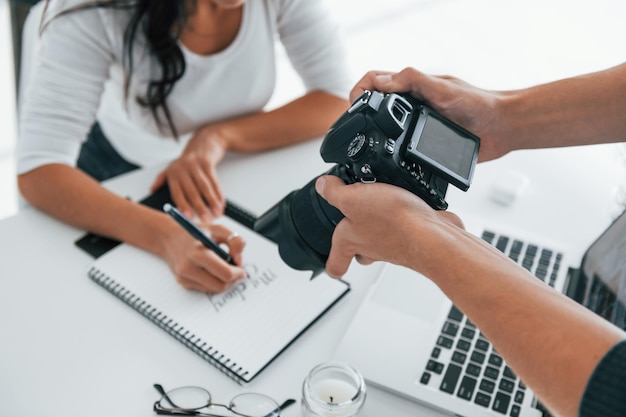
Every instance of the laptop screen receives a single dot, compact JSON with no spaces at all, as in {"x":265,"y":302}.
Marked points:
{"x":601,"y":281}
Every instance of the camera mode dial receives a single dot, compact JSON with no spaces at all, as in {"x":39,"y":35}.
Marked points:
{"x":357,"y":147}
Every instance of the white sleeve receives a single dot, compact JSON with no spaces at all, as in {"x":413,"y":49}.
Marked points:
{"x":65,"y":82}
{"x":315,"y":45}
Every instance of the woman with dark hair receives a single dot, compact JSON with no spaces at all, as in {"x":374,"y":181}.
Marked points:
{"x":121,"y":84}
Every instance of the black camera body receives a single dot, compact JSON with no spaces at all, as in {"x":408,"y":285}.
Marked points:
{"x":390,"y":138}
{"x":397,"y":140}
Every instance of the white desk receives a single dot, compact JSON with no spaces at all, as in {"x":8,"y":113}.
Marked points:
{"x":69,"y":348}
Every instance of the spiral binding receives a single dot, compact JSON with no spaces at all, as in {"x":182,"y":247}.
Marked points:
{"x":207,"y":352}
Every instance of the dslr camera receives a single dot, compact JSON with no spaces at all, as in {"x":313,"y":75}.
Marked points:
{"x":390,"y":138}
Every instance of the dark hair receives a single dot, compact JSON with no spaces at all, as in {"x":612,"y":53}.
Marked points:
{"x":160,"y":22}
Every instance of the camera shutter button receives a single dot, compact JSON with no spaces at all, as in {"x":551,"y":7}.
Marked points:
{"x":368,"y":176}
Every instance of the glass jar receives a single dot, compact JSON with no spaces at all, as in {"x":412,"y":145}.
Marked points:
{"x":333,"y":389}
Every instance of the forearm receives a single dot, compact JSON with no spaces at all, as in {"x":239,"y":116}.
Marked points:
{"x":305,"y":118}
{"x":77,"y":199}
{"x":582,"y":110}
{"x":553,"y":343}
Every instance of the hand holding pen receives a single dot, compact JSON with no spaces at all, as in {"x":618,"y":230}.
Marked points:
{"x":202,"y":271}
{"x":196,"y":232}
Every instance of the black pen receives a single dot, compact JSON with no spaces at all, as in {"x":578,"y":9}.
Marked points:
{"x":196,"y":232}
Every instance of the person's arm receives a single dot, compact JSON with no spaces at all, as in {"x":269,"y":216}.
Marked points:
{"x":58,"y":106}
{"x":75,"y":198}
{"x":302,"y":119}
{"x":192,"y":177}
{"x":587,"y":109}
{"x":550,"y":341}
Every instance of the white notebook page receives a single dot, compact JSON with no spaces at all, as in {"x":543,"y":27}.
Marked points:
{"x":245,"y":327}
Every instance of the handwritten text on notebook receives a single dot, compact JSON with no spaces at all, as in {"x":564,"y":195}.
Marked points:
{"x":258,"y":278}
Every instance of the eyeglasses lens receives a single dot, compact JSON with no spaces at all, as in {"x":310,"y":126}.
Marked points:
{"x":254,"y":405}
{"x":186,"y":399}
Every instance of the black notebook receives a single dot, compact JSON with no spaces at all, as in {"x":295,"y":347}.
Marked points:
{"x":240,"y":331}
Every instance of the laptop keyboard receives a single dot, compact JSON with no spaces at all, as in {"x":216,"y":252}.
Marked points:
{"x":463,"y":362}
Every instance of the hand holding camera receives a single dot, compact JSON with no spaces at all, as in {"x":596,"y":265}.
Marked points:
{"x":390,"y":138}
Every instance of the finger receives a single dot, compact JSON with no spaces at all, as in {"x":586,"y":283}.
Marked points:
{"x":340,"y":255}
{"x":213,"y":263}
{"x":191,"y":284}
{"x":191,"y":184}
{"x":408,"y":80}
{"x":337,"y":264}
{"x":366,"y":83}
{"x":235,"y":248}
{"x":331,"y":188}
{"x":420,"y":85}
{"x":219,"y":268}
{"x":193,"y":277}
{"x":196,"y":278}
{"x":441,"y":92}
{"x":219,"y":232}
{"x":364,"y":260}
{"x":236,"y":243}
{"x":211,"y":273}
{"x":178,"y":197}
{"x":209,"y":189}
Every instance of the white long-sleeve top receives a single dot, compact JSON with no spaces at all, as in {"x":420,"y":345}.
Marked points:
{"x":76,"y":77}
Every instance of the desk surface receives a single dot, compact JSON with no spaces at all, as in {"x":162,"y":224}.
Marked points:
{"x":69,"y":348}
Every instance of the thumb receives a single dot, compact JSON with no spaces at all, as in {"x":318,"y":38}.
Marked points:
{"x":328,"y":186}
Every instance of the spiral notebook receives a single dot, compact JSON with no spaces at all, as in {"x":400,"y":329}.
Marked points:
{"x":240,"y":331}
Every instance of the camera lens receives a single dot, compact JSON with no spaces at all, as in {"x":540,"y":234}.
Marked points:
{"x":302,"y":225}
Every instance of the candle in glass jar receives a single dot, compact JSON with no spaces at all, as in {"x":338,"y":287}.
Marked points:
{"x":334,"y":391}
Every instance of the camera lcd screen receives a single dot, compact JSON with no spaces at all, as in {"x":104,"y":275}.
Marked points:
{"x":445,"y":147}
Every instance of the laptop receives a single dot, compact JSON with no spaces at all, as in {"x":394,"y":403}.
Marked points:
{"x":408,"y":338}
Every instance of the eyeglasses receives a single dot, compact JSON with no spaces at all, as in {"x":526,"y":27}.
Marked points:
{"x":187,"y":401}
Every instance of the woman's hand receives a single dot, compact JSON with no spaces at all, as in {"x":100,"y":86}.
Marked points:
{"x":382,"y":222}
{"x":199,"y":268}
{"x":192,"y":178}
{"x":475,"y":109}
